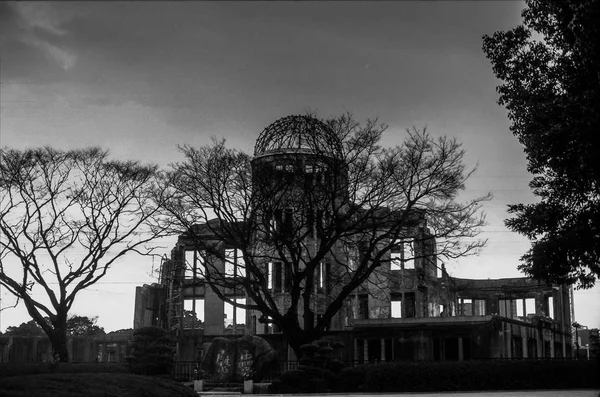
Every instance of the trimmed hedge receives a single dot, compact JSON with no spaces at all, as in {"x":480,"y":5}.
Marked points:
{"x":470,"y":375}
{"x":17,"y":369}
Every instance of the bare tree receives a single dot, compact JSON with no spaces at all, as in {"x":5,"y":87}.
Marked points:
{"x":337,"y":199}
{"x":65,"y":218}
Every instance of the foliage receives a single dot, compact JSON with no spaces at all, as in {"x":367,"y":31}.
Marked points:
{"x":92,"y":385}
{"x":350,"y":208}
{"x":19,"y":369}
{"x":152,"y":351}
{"x":65,"y":218}
{"x":82,"y":325}
{"x":550,"y":67}
{"x":30,"y":328}
{"x":76,"y":326}
{"x":191,"y":320}
{"x":470,"y":375}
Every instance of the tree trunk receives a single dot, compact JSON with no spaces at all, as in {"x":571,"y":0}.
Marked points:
{"x":296,"y":336}
{"x":59,"y":346}
{"x":58,"y":338}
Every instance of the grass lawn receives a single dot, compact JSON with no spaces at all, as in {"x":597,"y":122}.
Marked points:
{"x":91,"y":384}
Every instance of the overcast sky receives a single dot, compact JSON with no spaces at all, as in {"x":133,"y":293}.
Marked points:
{"x":140,"y":78}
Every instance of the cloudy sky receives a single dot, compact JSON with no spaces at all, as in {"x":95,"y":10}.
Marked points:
{"x":140,"y":78}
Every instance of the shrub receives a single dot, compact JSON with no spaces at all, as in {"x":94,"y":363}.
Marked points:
{"x":350,"y":379}
{"x":470,"y":375}
{"x":152,"y":352}
{"x":15,"y":369}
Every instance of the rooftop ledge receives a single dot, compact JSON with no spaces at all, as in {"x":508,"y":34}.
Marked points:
{"x":441,"y":321}
{"x":395,"y":322}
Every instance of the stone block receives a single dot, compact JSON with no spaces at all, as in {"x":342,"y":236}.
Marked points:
{"x":248,"y":357}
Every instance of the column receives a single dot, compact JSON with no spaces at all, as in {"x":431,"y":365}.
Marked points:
{"x":460,"y":350}
{"x":383,"y":358}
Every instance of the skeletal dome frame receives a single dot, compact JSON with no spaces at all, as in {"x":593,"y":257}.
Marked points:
{"x":298,"y":134}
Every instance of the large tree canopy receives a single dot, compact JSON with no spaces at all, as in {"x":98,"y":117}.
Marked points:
{"x":76,"y":326}
{"x":550,"y":68}
{"x":65,"y":218}
{"x":347,"y":203}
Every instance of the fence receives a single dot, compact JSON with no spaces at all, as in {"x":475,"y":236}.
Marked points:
{"x":184,"y":370}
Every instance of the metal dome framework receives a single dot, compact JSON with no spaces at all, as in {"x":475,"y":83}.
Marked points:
{"x":298,"y":134}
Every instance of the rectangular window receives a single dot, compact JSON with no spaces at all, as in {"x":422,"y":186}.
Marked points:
{"x":288,"y":279}
{"x":478,"y":307}
{"x":408,"y":254}
{"x":550,"y":312}
{"x":234,"y":263}
{"x":396,"y":263}
{"x":229,"y":262}
{"x":509,"y":308}
{"x":466,"y":307}
{"x":194,"y":265}
{"x":228,"y":313}
{"x":402,"y":256}
{"x":240,"y":311}
{"x":321,"y":276}
{"x":396,"y":305}
{"x":193,"y":313}
{"x":410,"y":304}
{"x":277,"y":275}
{"x":363,"y":307}
{"x":529,"y":306}
{"x":270,"y":275}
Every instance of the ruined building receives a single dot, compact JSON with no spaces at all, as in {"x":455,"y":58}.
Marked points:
{"x":410,"y":309}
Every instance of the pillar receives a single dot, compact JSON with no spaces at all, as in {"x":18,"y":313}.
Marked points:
{"x":460,"y":350}
{"x":383,"y":358}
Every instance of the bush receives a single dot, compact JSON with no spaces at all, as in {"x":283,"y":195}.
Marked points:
{"x":152,"y":352}
{"x":350,"y":379}
{"x":469,"y":375}
{"x":15,"y":369}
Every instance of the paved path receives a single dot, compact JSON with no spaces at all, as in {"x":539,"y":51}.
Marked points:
{"x":507,"y":393}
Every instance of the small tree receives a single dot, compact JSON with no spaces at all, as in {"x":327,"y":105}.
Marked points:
{"x":342,"y":198}
{"x":65,"y":218}
{"x":152,"y":351}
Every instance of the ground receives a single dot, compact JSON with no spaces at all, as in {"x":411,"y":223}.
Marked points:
{"x":92,"y":385}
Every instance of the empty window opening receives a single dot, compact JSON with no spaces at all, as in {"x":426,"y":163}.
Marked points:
{"x":478,"y":307}
{"x":233,"y":315}
{"x":396,"y":306}
{"x":409,"y":298}
{"x":550,"y":303}
{"x":194,"y":265}
{"x":403,"y":256}
{"x":363,"y":307}
{"x":465,"y":307}
{"x":270,"y":275}
{"x":277,"y":276}
{"x":234,"y":263}
{"x":193,"y":313}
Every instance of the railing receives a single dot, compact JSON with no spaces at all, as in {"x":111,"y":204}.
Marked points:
{"x":184,"y":370}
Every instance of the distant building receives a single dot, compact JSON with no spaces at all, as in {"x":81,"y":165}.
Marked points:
{"x":589,"y":343}
{"x":410,"y":309}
